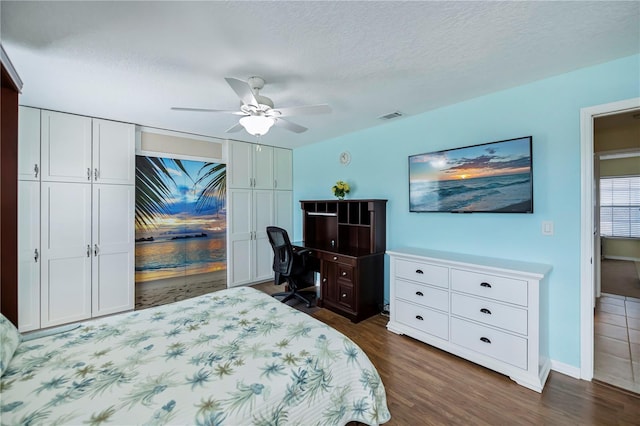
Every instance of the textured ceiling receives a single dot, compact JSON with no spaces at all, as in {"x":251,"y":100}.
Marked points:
{"x":132,"y":61}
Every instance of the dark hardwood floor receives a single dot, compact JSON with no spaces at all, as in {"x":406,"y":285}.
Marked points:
{"x":426,"y":386}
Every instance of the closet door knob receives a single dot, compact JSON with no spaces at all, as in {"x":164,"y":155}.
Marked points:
{"x":95,"y":174}
{"x":88,"y":250}
{"x":36,"y":170}
{"x":36,"y":255}
{"x":95,"y":249}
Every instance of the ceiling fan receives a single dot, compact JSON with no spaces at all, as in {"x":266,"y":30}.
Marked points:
{"x":257,"y":111}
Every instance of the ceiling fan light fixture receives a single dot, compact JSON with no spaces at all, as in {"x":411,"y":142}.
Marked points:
{"x":257,"y":125}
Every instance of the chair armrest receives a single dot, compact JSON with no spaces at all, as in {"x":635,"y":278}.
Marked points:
{"x":302,"y":251}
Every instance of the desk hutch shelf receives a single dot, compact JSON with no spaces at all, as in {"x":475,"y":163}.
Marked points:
{"x":348,"y":238}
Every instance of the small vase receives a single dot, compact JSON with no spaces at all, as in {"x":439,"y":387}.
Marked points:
{"x":340,"y":197}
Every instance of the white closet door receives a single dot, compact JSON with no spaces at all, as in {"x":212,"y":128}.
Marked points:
{"x":113,"y":249}
{"x":114,"y":159}
{"x":283,"y":169}
{"x":263,"y":167}
{"x":283,"y":210}
{"x":263,"y":217}
{"x":240,"y":165}
{"x":28,"y":143}
{"x":66,"y":147}
{"x":239,"y":237}
{"x":66,"y":253}
{"x":28,"y":255}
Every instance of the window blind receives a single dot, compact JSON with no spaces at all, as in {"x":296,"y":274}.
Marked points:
{"x":620,"y":206}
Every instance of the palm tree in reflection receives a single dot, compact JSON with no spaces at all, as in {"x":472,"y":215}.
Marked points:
{"x":152,"y":189}
{"x":214,"y":178}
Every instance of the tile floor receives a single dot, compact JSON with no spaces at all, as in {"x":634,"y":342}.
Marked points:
{"x":617,"y":341}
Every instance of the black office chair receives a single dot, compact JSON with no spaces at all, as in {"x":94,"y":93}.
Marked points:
{"x":290,"y":266}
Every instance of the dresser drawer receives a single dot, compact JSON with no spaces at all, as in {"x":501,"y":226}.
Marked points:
{"x":423,"y":319}
{"x":333,"y":257}
{"x":496,"y":344}
{"x":481,"y":310}
{"x":345,"y":272}
{"x":422,"y":295}
{"x":492,"y":286}
{"x":345,"y":295}
{"x":423,"y":272}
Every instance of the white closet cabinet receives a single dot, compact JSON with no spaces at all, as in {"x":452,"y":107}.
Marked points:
{"x":66,"y":147}
{"x":283,"y":210}
{"x":251,"y":166}
{"x":259,"y":195}
{"x":65,"y":284}
{"x":249,"y":253}
{"x":76,"y":227}
{"x":113,"y":249}
{"x":29,"y":255}
{"x":29,"y":146}
{"x":114,"y":152}
{"x":282,"y":169}
{"x":82,"y":149}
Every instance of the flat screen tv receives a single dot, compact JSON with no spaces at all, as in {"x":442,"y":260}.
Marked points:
{"x":494,"y":177}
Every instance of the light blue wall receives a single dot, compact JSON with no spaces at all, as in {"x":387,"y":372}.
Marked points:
{"x":549,"y":110}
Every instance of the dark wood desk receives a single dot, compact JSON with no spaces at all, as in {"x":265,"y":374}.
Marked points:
{"x":346,"y":240}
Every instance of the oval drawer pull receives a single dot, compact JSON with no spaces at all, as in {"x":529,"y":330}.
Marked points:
{"x":419,"y":293}
{"x":418,"y":317}
{"x":344,"y":295}
{"x":419,"y":271}
{"x":486,"y":340}
{"x":485,"y":311}
{"x":335,"y":257}
{"x":485,"y":285}
{"x":324,"y":280}
{"x":344,"y":273}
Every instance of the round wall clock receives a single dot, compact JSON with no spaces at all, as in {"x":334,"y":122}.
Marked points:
{"x":345,"y":158}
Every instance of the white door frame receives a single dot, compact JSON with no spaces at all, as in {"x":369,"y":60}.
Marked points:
{"x":587,"y":116}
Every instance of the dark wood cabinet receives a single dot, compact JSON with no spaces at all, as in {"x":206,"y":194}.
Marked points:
{"x":348,"y":238}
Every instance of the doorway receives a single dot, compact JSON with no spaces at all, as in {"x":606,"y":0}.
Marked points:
{"x":617,"y":204}
{"x":604,"y":340}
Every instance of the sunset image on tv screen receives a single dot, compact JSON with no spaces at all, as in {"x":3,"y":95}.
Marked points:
{"x":493,"y":177}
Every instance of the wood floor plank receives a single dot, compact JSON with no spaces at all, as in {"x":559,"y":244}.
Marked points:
{"x":427,"y":386}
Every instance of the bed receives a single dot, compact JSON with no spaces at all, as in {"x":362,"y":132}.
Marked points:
{"x":233,"y":357}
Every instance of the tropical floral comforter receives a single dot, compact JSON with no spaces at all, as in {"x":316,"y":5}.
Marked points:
{"x":234,"y":357}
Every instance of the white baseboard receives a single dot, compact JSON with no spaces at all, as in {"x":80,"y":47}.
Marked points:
{"x":631,"y":259}
{"x":565,"y":369}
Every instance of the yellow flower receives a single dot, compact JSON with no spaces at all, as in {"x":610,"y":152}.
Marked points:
{"x":340,"y":189}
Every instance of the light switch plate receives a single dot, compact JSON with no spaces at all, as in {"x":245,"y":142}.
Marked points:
{"x":547,"y":227}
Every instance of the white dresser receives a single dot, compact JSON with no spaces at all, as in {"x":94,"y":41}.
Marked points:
{"x":483,"y":309}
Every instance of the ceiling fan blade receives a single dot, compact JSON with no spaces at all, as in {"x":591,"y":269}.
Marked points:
{"x":290,"y":126}
{"x":234,"y":128}
{"x":305,"y":110}
{"x":208,"y":110}
{"x":243,"y":90}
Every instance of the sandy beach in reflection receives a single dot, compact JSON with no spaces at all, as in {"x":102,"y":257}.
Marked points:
{"x":169,"y":290}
